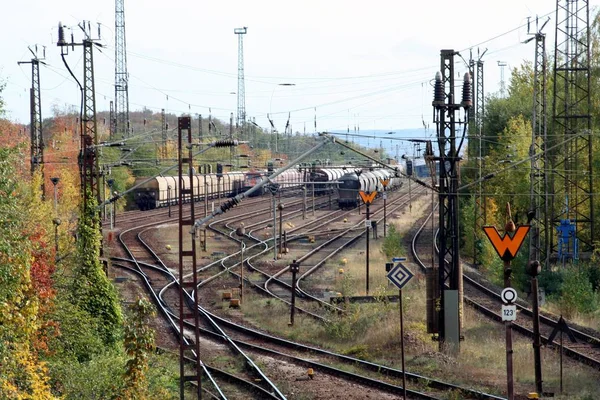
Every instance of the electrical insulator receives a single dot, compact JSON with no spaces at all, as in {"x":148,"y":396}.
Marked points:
{"x":438,"y":94}
{"x":229,"y":204}
{"x":61,"y":35}
{"x":467,"y":94}
{"x":225,"y":143}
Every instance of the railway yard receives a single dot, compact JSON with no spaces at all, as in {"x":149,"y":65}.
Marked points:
{"x":252,"y":351}
{"x":371,"y":220}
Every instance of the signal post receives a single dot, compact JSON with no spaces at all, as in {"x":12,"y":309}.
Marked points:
{"x":367,"y":198}
{"x":507,"y":248}
{"x":384,"y":183}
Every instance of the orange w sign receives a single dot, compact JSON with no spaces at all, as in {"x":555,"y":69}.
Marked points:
{"x":507,"y":247}
{"x":368,"y":198}
{"x":384,"y":182}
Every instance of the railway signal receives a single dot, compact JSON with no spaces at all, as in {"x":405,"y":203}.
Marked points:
{"x":241,"y":232}
{"x":384,"y":183}
{"x":295,"y":268}
{"x":273,"y":188}
{"x":367,"y":198}
{"x":507,"y":248}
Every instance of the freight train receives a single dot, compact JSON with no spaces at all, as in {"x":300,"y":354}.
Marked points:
{"x":366,"y":181}
{"x":164,"y":190}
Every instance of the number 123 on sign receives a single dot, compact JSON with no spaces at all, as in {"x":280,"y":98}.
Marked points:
{"x":509,"y":313}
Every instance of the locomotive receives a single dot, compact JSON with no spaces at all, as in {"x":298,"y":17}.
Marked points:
{"x":366,"y":181}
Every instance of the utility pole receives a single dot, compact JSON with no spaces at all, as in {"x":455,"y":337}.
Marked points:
{"x":187,"y":251}
{"x":163,"y":130}
{"x":502,"y":64}
{"x":480,"y":201}
{"x":539,"y":244}
{"x":231,"y":150}
{"x":121,"y":76}
{"x":35,"y":107}
{"x":572,"y":164}
{"x":241,"y":93}
{"x":367,"y":226}
{"x":111,"y":121}
{"x":274,"y":193}
{"x":88,"y":156}
{"x":200,"y":128}
{"x":280,"y":208}
{"x":449,"y":266}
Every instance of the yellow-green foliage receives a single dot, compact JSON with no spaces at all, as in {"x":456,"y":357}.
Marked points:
{"x":22,"y":376}
{"x":90,"y":288}
{"x":139,"y":343}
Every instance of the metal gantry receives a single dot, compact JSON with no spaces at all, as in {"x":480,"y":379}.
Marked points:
{"x":449,"y":266}
{"x":89,"y":138}
{"x":572,"y":165}
{"x":241,"y":93}
{"x":35,"y":107}
{"x":539,"y":244}
{"x":89,"y":168}
{"x":121,"y":76}
{"x":480,"y":198}
{"x":188,"y":279}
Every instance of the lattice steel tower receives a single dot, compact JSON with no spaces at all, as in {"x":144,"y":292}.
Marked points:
{"x":241,"y":93}
{"x":88,"y":156}
{"x":35,"y":104}
{"x":121,"y":77}
{"x":449,"y":302}
{"x":480,"y":199}
{"x":539,"y":244}
{"x":572,"y":180}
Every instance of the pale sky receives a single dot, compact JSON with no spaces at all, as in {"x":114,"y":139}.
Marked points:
{"x":367,"y":63}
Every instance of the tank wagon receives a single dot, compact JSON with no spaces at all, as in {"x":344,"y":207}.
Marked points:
{"x":367,"y":181}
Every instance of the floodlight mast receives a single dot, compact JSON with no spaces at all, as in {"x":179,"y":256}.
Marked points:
{"x":241,"y":93}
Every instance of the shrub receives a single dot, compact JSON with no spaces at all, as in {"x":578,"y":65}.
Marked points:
{"x":392,"y":245}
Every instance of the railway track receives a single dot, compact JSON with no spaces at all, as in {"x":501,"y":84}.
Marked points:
{"x":486,"y":300}
{"x":126,"y":217}
{"x":386,"y":374}
{"x":330,"y":246}
{"x":149,"y":273}
{"x":161,"y":269}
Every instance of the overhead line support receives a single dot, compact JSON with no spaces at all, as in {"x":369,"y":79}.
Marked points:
{"x":35,"y":130}
{"x":449,"y":266}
